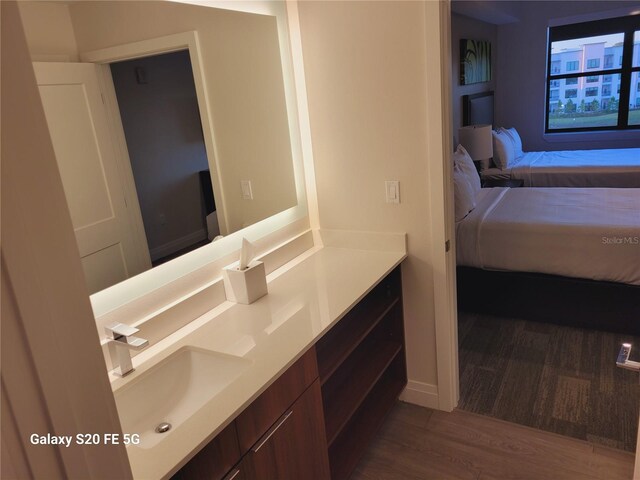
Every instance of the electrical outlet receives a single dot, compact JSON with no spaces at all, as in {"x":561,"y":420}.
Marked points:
{"x":162,"y":219}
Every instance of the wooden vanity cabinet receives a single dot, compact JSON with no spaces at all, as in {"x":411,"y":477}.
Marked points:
{"x":362,"y":372}
{"x":216,"y":459}
{"x":279,"y":436}
{"x":317,"y":419}
{"x":295,"y":447}
{"x":265,"y":410}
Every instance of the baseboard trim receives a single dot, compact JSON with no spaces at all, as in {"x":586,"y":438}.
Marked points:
{"x":419,"y":393}
{"x":177,"y":244}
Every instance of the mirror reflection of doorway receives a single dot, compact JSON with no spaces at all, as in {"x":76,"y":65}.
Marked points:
{"x":159,"y":110}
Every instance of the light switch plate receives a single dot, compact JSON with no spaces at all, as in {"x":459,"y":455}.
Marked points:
{"x":392,"y":189}
{"x":247,"y":193}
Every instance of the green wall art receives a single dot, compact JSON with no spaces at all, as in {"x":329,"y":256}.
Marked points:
{"x":475,"y":61}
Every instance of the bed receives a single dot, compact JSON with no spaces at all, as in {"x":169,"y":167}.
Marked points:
{"x":616,"y":168}
{"x":564,"y":255}
{"x":573,"y":232}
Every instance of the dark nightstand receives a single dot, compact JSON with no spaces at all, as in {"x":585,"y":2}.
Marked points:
{"x":502,"y":182}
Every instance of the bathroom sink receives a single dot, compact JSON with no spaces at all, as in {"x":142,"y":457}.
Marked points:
{"x":173,"y":390}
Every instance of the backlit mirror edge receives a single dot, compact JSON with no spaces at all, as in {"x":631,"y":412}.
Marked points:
{"x":291,"y":222}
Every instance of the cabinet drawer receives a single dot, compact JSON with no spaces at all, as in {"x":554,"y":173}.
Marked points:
{"x":269,"y":407}
{"x":215,"y":459}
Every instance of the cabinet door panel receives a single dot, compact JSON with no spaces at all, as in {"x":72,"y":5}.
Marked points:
{"x":269,"y":407}
{"x":215,"y":459}
{"x":295,"y":447}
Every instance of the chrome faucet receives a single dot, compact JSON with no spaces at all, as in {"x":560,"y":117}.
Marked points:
{"x":120,"y":343}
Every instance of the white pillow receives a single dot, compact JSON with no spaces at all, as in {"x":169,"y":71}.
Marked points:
{"x":517,"y":141}
{"x":462,"y":158}
{"x":464,"y":199}
{"x":503,"y":149}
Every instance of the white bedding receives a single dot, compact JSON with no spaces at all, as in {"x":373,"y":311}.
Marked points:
{"x":589,"y":233}
{"x":616,"y":168}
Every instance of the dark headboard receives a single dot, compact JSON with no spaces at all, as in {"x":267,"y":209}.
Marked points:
{"x":477,"y":109}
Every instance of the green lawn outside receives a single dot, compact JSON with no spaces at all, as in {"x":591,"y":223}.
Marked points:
{"x":605,"y":120}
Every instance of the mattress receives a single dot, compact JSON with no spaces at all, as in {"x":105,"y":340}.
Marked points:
{"x":589,"y":233}
{"x":615,"y":168}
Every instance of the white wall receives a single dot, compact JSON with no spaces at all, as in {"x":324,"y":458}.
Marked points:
{"x":49,"y":31}
{"x":366,"y":72}
{"x":53,"y":376}
{"x":469,"y":28}
{"x":166,"y":147}
{"x":521,"y":69}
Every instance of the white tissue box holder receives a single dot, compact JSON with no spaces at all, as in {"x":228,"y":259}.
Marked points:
{"x":245,"y":286}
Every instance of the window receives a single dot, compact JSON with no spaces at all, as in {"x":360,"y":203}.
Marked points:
{"x":573,"y":66}
{"x":608,"y":61}
{"x":593,"y":63}
{"x":582,"y":54}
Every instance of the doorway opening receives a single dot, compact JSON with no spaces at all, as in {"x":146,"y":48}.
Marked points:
{"x":559,"y":377}
{"x":159,"y":110}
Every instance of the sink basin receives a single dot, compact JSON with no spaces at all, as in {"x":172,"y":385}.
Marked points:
{"x":173,"y":390}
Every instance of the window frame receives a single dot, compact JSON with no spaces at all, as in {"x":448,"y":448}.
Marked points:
{"x":627,"y":25}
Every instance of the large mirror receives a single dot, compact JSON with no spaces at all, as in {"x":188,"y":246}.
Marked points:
{"x":169,"y":122}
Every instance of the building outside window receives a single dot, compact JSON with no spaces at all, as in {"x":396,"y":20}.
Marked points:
{"x":573,"y":66}
{"x":593,"y":63}
{"x":603,"y":49}
{"x":608,"y":61}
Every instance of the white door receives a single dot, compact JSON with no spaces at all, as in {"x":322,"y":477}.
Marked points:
{"x":94,"y":185}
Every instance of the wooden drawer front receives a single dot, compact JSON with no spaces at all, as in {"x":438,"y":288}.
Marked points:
{"x":295,"y":448}
{"x":215,"y":459}
{"x":269,"y":407}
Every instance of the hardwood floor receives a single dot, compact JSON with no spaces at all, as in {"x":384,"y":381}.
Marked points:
{"x":416,"y":443}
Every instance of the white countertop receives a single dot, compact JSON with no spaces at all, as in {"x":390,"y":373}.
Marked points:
{"x":306,"y":298}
